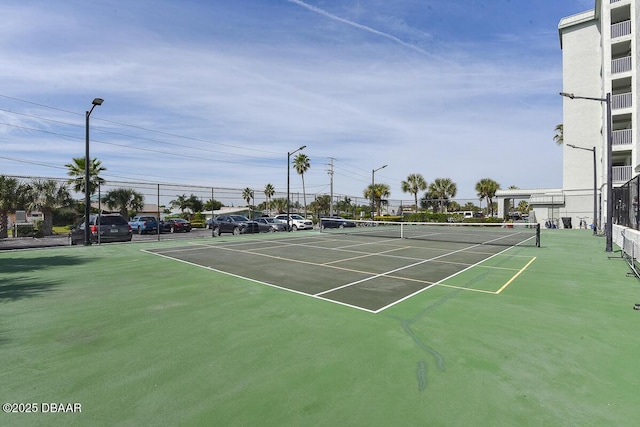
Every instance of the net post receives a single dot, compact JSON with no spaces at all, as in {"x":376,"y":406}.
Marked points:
{"x":537,"y":235}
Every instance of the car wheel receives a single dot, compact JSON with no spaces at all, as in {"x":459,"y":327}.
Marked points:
{"x":216,"y":232}
{"x":294,"y":228}
{"x":236,"y":231}
{"x":341,"y":226}
{"x":173,"y":230}
{"x":140,"y":230}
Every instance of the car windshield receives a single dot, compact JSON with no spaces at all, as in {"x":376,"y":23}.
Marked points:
{"x":297,"y":217}
{"x":113,"y":220}
{"x":268,"y":220}
{"x":239,"y":218}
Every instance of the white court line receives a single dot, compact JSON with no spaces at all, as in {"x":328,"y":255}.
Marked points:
{"x":260,"y":282}
{"x":365,"y":254}
{"x":439,"y":282}
{"x":395,"y":270}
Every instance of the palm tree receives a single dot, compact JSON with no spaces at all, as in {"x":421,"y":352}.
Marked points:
{"x":301,"y":163}
{"x":124,"y":200}
{"x":247,"y":195}
{"x":181,"y":202}
{"x":269,"y":191}
{"x":443,"y":189}
{"x":486,"y":188}
{"x":44,"y":196}
{"x":280,"y":204}
{"x":10,"y":189}
{"x":194,"y":203}
{"x":77,"y":171}
{"x":379,"y":191}
{"x":415,"y":182}
{"x":559,"y":136}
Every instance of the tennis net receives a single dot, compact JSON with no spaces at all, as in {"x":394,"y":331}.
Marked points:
{"x":502,"y":234}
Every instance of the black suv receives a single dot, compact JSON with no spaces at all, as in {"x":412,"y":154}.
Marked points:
{"x":236,"y":224}
{"x":103,"y":228}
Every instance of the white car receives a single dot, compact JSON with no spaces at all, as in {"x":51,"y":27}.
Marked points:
{"x":297,"y":222}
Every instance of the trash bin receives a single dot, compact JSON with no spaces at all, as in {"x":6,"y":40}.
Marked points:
{"x":566,"y":222}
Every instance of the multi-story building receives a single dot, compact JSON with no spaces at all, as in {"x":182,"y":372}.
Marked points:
{"x":599,"y":57}
{"x":600,"y":52}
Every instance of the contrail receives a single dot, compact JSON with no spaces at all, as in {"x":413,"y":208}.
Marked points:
{"x":360,"y":26}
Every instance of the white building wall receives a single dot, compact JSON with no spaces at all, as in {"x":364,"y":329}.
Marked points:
{"x":582,"y":119}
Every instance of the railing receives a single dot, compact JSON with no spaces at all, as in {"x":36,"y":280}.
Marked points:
{"x":621,"y":29}
{"x":622,"y":137}
{"x":622,"y":173}
{"x":621,"y":65}
{"x":622,"y":100}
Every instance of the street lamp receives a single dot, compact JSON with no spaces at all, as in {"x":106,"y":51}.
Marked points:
{"x":373,"y":193}
{"x":608,"y":228}
{"x":288,"y":185}
{"x":595,"y":185}
{"x":87,"y":193}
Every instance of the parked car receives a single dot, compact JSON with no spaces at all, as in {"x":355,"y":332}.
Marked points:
{"x":267,"y":224}
{"x":208,"y":224}
{"x":236,"y":224}
{"x":144,"y":224}
{"x":336,"y":222}
{"x":296,"y":222}
{"x":175,"y":225}
{"x":103,"y":228}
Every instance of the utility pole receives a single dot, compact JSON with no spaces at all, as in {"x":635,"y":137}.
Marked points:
{"x":330,"y":172}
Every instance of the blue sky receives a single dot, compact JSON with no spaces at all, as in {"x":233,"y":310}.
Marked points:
{"x":217,"y":92}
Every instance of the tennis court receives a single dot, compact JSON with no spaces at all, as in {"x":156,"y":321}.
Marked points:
{"x":361,"y":267}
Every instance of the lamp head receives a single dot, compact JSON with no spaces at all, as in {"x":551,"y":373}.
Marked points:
{"x":97,"y":101}
{"x":568,"y":95}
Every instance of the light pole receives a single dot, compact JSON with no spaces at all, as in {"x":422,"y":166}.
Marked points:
{"x":373,"y":192}
{"x":288,"y":185}
{"x":87,"y":192}
{"x":595,"y":185}
{"x":608,"y":227}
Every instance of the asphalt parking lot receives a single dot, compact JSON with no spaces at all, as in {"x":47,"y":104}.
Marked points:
{"x":15,"y":243}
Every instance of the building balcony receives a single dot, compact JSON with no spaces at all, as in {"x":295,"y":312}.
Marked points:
{"x":622,"y":173}
{"x":621,"y":65}
{"x":622,"y":137}
{"x":621,"y":29}
{"x":622,"y":100}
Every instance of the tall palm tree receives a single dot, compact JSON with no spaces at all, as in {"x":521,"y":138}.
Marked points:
{"x":44,"y":196}
{"x":247,"y":195}
{"x":559,"y":135}
{"x":269,"y":191}
{"x":124,"y":200}
{"x":76,"y":170}
{"x":415,"y":182}
{"x":380,"y":191}
{"x":443,"y":189}
{"x":10,"y":190}
{"x":486,"y":189}
{"x":301,"y":164}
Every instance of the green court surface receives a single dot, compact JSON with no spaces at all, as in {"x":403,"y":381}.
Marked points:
{"x":278,"y":331}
